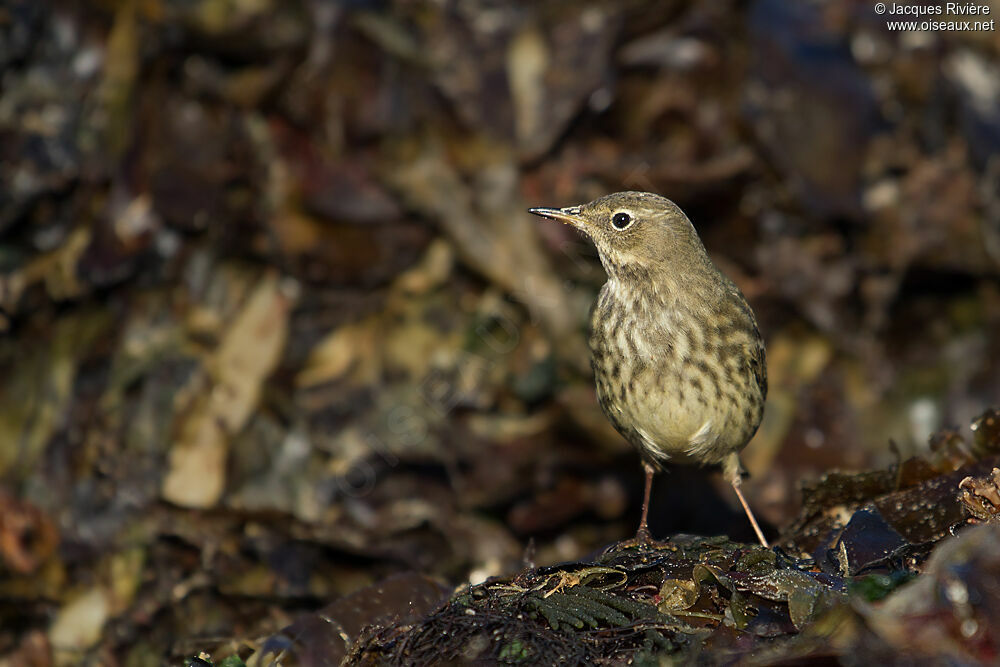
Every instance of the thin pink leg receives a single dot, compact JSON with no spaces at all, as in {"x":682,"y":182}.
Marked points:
{"x":642,"y":535}
{"x":753,"y":520}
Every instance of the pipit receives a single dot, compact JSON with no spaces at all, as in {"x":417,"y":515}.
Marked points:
{"x":676,"y":353}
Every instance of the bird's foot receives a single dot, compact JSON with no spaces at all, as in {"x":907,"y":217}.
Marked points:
{"x":642,"y":538}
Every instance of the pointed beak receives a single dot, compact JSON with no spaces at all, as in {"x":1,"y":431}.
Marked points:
{"x":570,"y":215}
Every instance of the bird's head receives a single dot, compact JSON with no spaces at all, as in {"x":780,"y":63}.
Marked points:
{"x":635,"y":229}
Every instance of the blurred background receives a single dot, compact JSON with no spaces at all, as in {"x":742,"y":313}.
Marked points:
{"x":275,"y":324}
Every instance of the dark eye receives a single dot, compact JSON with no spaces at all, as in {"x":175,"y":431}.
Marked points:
{"x":621,"y":220}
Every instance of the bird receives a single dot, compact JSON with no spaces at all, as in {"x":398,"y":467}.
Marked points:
{"x":678,"y":359}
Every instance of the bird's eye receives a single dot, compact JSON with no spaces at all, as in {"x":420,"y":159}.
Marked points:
{"x":621,"y":220}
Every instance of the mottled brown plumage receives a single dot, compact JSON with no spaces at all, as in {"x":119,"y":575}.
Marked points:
{"x":677,"y":356}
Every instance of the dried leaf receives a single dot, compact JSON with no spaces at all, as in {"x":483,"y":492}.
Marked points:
{"x":78,"y":624}
{"x":247,"y":354}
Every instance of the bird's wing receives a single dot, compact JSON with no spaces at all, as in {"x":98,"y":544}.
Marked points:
{"x":757,"y":361}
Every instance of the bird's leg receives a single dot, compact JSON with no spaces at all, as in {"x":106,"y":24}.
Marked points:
{"x":642,"y":535}
{"x":746,"y":508}
{"x":732,"y":470}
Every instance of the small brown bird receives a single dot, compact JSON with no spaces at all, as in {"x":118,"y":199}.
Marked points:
{"x":676,"y":353}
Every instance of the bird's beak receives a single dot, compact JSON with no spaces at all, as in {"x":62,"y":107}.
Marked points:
{"x":570,"y":215}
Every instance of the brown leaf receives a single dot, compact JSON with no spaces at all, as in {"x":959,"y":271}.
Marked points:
{"x":248,"y":352}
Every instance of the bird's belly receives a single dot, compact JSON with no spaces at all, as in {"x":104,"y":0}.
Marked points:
{"x":672,"y":412}
{"x":665,"y":387}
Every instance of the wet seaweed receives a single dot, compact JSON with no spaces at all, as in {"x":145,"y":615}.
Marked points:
{"x":641,"y":602}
